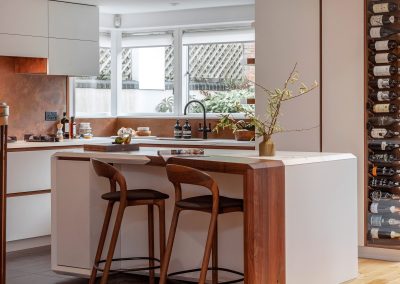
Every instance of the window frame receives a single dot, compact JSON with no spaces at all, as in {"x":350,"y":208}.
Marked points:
{"x":180,"y":91}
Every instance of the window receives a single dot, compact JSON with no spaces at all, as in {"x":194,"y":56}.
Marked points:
{"x":92,"y":95}
{"x":147,"y":74}
{"x":158,"y":73}
{"x":216,"y":69}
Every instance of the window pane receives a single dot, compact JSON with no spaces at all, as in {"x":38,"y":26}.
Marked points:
{"x":147,"y":80}
{"x":93,"y":94}
{"x":219,"y":76}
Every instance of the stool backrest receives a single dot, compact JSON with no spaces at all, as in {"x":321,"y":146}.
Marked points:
{"x":185,"y":175}
{"x":103,"y":169}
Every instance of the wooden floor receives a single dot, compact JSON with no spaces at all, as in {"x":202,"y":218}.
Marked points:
{"x":33,"y":267}
{"x":377,"y":272}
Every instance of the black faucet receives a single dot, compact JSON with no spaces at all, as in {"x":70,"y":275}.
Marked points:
{"x":203,"y":129}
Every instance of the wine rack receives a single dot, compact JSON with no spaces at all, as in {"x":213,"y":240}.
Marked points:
{"x":382,"y":216}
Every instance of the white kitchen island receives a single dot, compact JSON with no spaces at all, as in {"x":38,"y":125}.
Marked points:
{"x":299,"y":224}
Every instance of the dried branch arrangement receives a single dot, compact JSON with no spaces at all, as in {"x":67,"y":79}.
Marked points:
{"x":267,"y":126}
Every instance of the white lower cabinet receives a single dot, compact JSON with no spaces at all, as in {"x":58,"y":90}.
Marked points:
{"x":28,"y":217}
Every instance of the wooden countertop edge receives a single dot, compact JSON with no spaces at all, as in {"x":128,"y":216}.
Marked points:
{"x":222,"y":164}
{"x":43,"y":148}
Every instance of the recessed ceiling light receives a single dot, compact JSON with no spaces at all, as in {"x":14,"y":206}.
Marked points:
{"x":174,"y":3}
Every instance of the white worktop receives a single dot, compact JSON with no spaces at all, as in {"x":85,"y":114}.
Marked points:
{"x":155,"y":141}
{"x":140,"y":157}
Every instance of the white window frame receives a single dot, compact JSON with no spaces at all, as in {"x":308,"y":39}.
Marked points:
{"x":180,"y":81}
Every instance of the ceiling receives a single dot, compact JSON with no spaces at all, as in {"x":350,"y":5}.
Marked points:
{"x":145,"y":6}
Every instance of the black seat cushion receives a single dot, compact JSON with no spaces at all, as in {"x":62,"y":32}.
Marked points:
{"x":204,"y":202}
{"x":136,"y":194}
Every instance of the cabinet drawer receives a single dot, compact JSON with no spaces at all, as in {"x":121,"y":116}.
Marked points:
{"x":73,"y":57}
{"x":73,"y":21}
{"x":24,"y":17}
{"x":28,"y":217}
{"x":23,"y":46}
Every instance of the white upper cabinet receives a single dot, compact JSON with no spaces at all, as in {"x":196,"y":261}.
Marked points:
{"x":73,"y":21}
{"x":73,"y":39}
{"x":23,"y":24}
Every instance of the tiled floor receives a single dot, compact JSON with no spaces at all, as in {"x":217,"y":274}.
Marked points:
{"x":33,"y":267}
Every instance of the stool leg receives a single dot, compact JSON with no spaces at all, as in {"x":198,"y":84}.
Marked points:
{"x":170,"y":244}
{"x":113,"y":243}
{"x":150,"y":218}
{"x":209,"y":244}
{"x":214,"y":256}
{"x":102,"y":240}
{"x":161,"y":212}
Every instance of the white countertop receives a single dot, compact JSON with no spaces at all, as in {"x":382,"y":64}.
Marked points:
{"x":162,"y":141}
{"x":140,"y":157}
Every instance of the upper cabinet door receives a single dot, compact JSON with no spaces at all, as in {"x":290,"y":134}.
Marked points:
{"x":73,"y":21}
{"x":24,"y":17}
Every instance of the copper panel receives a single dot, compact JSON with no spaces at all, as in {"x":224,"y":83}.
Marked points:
{"x":164,"y":127}
{"x":30,"y":65}
{"x":29,"y":96}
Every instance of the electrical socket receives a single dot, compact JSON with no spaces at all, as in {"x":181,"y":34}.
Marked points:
{"x":50,"y":116}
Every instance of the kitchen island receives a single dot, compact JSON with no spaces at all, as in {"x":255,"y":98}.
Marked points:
{"x":299,"y":224}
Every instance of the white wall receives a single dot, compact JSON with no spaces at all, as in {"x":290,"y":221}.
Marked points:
{"x":343,"y":85}
{"x":181,"y":18}
{"x":287,"y":32}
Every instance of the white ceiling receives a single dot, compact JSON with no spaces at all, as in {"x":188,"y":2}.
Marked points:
{"x":145,"y":6}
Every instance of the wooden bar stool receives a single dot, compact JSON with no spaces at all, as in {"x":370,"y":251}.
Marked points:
{"x":214,"y":204}
{"x":127,"y":198}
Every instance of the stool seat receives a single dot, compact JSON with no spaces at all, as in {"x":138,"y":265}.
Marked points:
{"x":136,"y":194}
{"x":205,"y":202}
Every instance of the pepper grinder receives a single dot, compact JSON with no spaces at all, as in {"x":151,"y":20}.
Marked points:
{"x":60,"y":133}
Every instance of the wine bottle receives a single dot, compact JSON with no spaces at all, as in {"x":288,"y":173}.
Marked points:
{"x":382,"y":32}
{"x":378,"y":233}
{"x":383,"y":96}
{"x":187,"y":130}
{"x":382,"y":207}
{"x":383,"y":171}
{"x":382,"y":221}
{"x":383,"y":183}
{"x":383,"y":146}
{"x":382,"y":108}
{"x":383,"y":45}
{"x":177,"y":130}
{"x":383,"y":83}
{"x":380,"y":58}
{"x":382,"y":120}
{"x":380,"y":20}
{"x":65,"y":124}
{"x":382,"y":158}
{"x":385,"y":70}
{"x":381,"y":133}
{"x":378,"y":195}
{"x":383,"y":7}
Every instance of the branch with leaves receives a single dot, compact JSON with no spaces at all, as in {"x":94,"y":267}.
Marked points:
{"x":269,"y":125}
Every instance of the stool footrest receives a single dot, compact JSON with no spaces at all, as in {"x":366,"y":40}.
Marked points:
{"x":213,"y":269}
{"x":123,"y":270}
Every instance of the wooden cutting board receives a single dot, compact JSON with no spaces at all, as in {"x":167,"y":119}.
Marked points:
{"x":109,"y":147}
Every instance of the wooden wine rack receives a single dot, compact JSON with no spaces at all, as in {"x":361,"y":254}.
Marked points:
{"x":382,"y":243}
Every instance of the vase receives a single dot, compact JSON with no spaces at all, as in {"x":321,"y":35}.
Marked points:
{"x":266,"y":147}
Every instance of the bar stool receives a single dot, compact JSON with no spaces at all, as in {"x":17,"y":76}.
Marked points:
{"x":214,"y":204}
{"x":125,"y":197}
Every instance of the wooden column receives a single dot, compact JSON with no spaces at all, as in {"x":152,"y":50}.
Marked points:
{"x":264,"y":224}
{"x":3,"y":190}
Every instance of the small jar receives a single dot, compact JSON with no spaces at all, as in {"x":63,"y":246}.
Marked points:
{"x":143,"y":131}
{"x":85,"y":130}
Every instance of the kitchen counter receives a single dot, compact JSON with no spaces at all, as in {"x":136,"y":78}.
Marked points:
{"x":78,"y":143}
{"x":299,"y":224}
